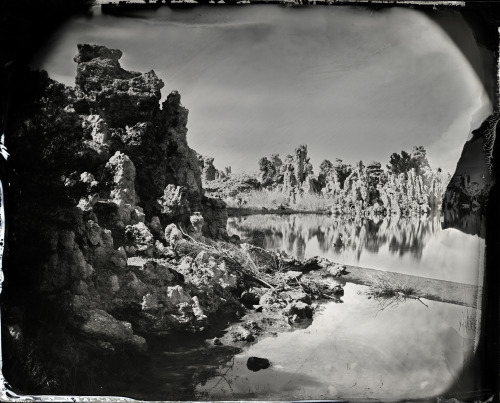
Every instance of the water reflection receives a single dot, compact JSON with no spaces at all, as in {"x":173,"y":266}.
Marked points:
{"x":354,"y":350}
{"x":402,"y":235}
{"x":473,"y":224}
{"x":418,"y":246}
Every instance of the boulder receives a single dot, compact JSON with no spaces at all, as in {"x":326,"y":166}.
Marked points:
{"x":101,"y":325}
{"x":256,"y":363}
{"x":122,"y":169}
{"x":197,"y":221}
{"x":172,"y":234}
{"x":174,"y":202}
{"x":140,"y":237}
{"x":299,"y":308}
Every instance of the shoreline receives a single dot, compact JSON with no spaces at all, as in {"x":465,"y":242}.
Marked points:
{"x":246,"y":211}
{"x":428,"y":288}
{"x":237,"y":211}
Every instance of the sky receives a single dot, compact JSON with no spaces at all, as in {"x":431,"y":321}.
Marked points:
{"x":350,"y":83}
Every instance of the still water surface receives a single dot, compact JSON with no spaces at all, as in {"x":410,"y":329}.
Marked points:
{"x":356,"y":350}
{"x":418,"y":246}
{"x":362,"y":348}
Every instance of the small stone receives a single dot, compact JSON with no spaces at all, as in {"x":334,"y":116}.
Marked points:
{"x":258,"y":308}
{"x":256,"y":363}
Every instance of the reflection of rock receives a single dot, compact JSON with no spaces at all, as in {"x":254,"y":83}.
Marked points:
{"x":468,"y":222}
{"x":256,"y":363}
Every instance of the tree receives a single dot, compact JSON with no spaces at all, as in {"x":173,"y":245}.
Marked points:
{"x":404,"y":162}
{"x":324,"y":170}
{"x":343,"y":171}
{"x":399,"y":163}
{"x":419,"y":156}
{"x":325,"y":167}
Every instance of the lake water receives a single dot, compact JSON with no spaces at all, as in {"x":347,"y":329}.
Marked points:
{"x":417,"y":246}
{"x":355,"y":350}
{"x":361,"y":348}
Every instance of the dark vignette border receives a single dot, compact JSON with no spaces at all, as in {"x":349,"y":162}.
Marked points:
{"x":25,"y":26}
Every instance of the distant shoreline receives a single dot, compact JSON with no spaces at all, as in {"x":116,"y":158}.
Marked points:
{"x":246,"y":211}
{"x":236,"y":211}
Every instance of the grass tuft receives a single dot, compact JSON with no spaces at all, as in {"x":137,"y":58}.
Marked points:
{"x":390,"y":290}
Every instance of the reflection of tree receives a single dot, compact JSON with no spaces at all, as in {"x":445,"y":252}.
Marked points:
{"x":337,"y":234}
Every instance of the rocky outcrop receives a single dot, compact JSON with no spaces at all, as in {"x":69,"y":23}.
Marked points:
{"x":370,"y":190}
{"x":232,"y":186}
{"x":119,"y":96}
{"x":105,"y":172}
{"x":464,"y":194}
{"x":209,"y":173}
{"x":298,"y":176}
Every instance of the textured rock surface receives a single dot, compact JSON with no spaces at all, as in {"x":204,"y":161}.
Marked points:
{"x":131,"y":183}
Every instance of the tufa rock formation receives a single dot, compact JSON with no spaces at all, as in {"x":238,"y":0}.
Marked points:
{"x":101,"y":171}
